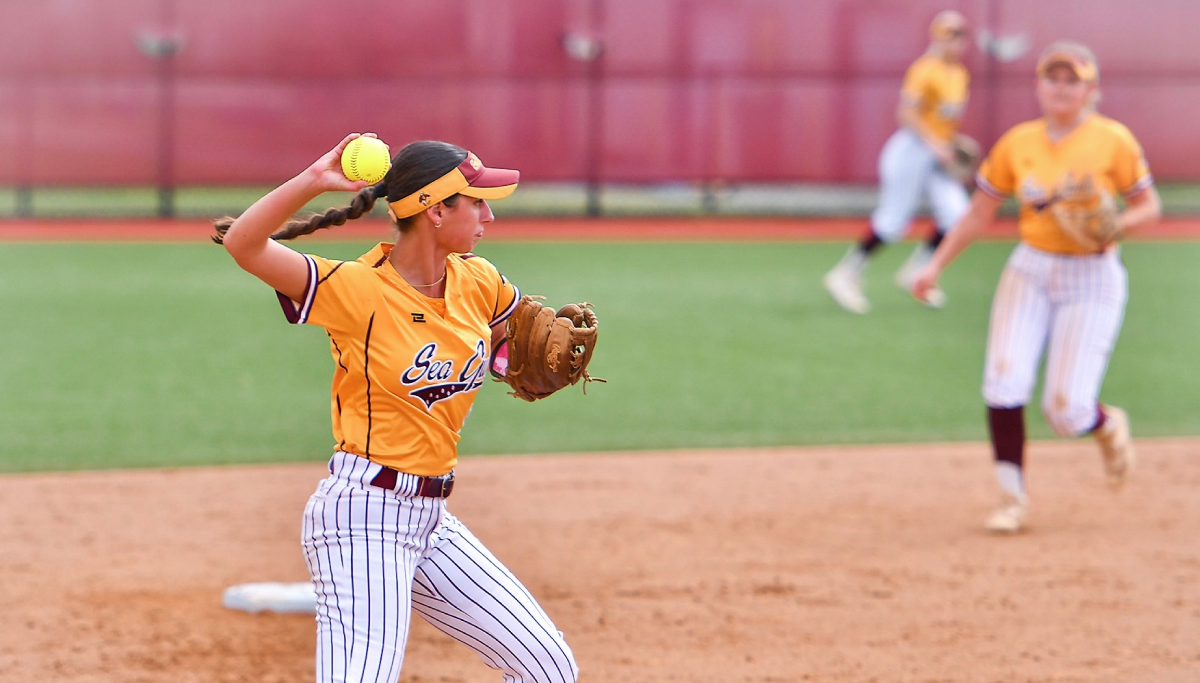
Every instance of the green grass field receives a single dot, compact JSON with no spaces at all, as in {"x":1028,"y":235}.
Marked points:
{"x":127,"y":355}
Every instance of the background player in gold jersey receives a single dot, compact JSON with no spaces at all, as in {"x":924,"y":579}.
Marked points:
{"x":1055,"y":293}
{"x":411,"y":328}
{"x":913,"y":164}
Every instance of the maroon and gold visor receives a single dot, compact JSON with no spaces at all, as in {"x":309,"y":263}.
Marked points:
{"x":1081,"y":65}
{"x":470,"y":178}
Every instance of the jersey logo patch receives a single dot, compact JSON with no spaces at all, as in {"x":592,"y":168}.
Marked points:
{"x":418,"y":317}
{"x":438,"y":376}
{"x":1035,"y":195}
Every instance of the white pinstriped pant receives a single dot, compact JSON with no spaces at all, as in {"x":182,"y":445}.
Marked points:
{"x":908,"y":168}
{"x":1072,"y":304}
{"x":377,"y":555}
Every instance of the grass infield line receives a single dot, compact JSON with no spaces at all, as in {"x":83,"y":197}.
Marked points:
{"x":618,"y":230}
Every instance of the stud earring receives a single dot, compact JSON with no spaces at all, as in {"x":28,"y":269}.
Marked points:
{"x":437,"y":224}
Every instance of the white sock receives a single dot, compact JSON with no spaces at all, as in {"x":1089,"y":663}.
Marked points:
{"x":920,"y":255}
{"x":854,"y":261}
{"x":926,"y":252}
{"x":1011,"y":479}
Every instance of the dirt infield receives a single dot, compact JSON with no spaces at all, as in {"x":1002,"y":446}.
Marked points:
{"x":742,"y":229}
{"x":822,"y":564}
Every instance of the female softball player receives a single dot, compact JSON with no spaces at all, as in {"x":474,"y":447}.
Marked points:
{"x":1059,"y":292}
{"x":913,"y":163}
{"x":410,"y":327}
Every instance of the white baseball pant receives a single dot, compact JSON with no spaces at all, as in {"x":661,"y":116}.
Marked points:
{"x":908,"y":168}
{"x":377,"y":555}
{"x":1072,"y":304}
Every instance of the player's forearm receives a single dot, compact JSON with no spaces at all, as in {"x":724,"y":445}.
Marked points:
{"x":961,"y":237}
{"x":1145,"y":210}
{"x":251,"y":231}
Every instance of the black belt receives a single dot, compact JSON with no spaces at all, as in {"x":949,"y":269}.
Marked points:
{"x":427,"y":487}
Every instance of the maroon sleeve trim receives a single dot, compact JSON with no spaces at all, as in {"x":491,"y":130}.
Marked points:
{"x":1144,"y":183}
{"x":987,"y":188}
{"x":504,"y":315}
{"x":297,"y":313}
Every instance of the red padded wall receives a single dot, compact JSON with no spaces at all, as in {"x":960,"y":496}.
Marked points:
{"x":739,"y":90}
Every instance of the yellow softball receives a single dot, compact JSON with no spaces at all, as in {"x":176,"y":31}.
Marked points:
{"x":366,"y":158}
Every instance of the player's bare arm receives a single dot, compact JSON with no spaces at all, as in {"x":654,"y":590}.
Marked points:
{"x":498,"y":335}
{"x":1142,"y":209}
{"x":249,"y":241}
{"x":979,"y":216}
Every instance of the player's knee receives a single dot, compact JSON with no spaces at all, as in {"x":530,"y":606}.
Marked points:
{"x":1067,"y":417}
{"x":566,"y":663}
{"x":997,"y":394}
{"x":574,"y":671}
{"x":564,"y":660}
{"x":889,"y":230}
{"x":555,"y":662}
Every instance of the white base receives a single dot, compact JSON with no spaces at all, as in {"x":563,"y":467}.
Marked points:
{"x":272,"y":597}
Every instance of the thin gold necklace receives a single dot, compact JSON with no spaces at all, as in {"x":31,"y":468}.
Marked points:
{"x":397,"y":271}
{"x":443,"y":277}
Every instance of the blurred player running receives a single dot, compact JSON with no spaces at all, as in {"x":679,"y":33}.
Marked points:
{"x":914,"y":162}
{"x":1058,"y":291}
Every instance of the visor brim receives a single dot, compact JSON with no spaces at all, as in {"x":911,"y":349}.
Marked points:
{"x":1082,"y":70}
{"x":489,"y":192}
{"x":493,"y":183}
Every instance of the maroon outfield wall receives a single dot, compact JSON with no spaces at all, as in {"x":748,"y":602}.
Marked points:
{"x":735,"y":90}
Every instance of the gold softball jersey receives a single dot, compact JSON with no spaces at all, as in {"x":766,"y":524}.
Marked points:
{"x":939,"y":92}
{"x":406,"y":366}
{"x":1025,"y":162}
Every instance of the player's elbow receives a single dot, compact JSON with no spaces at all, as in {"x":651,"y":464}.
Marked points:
{"x":249,"y":257}
{"x":1155,"y":215}
{"x":231,"y":246}
{"x":241,"y":249}
{"x":1154,"y":211}
{"x":237,"y":250}
{"x":1144,"y":209}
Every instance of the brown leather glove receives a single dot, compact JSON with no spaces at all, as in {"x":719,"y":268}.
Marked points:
{"x":966,"y":158}
{"x":548,"y":350}
{"x":1086,"y":213}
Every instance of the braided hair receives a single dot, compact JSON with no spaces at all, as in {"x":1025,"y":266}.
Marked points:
{"x":415,"y":166}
